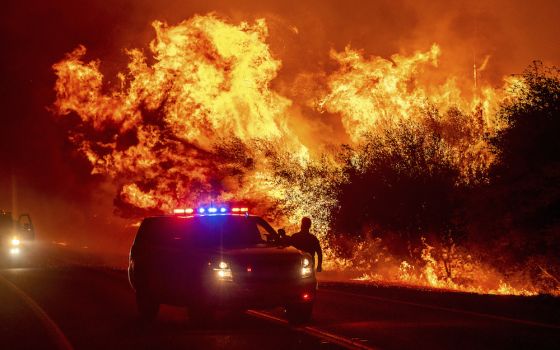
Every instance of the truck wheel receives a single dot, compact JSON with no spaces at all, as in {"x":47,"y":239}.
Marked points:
{"x":299,"y":313}
{"x":201,"y":315}
{"x":147,"y":307}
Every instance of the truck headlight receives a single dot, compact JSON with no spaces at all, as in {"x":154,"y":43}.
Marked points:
{"x":15,"y":242}
{"x":306,"y":268}
{"x":223,"y":272}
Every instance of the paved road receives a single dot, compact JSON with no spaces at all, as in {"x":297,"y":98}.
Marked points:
{"x":389,"y":324}
{"x":93,"y":308}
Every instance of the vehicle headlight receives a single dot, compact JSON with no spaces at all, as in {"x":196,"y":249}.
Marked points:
{"x":223,"y":272}
{"x":15,"y":242}
{"x":14,"y":251}
{"x":306,"y":268}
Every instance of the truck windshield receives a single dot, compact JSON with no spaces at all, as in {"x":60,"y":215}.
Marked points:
{"x":226,"y":231}
{"x":204,"y":231}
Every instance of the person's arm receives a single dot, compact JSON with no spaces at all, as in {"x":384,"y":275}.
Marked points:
{"x":319,"y":256}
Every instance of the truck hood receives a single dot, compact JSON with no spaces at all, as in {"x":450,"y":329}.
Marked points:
{"x":271,"y":251}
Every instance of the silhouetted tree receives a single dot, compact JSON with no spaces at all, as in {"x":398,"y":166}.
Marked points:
{"x":524,"y":191}
{"x":400,"y":180}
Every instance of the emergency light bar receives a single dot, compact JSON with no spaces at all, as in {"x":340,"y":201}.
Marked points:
{"x":210,"y":210}
{"x":183,"y":211}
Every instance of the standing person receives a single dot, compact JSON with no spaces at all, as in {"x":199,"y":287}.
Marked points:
{"x":305,"y":241}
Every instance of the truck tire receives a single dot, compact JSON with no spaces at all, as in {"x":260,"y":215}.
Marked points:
{"x":148,"y":308}
{"x":298,"y":314}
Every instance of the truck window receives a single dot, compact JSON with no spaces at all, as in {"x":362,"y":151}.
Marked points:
{"x":223,"y":231}
{"x":159,"y":231}
{"x":205,"y":232}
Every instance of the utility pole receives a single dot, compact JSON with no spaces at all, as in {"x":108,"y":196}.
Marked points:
{"x":475,"y":73}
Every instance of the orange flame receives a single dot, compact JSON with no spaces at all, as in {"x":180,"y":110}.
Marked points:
{"x":209,"y":82}
{"x":215,"y":73}
{"x":201,"y":110}
{"x":372,"y":94}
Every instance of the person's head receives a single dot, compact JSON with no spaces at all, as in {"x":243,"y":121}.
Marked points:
{"x":305,"y":224}
{"x":282,"y":232}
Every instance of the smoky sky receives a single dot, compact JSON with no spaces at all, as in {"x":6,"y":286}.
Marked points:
{"x":40,"y":170}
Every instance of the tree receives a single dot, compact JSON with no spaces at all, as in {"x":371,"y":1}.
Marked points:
{"x":525,"y":182}
{"x":400,"y":180}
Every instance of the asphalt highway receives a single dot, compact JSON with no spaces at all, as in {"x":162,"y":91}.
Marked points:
{"x":55,"y":304}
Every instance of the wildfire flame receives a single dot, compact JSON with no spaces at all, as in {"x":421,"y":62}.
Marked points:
{"x":210,"y":81}
{"x":197,"y":119}
{"x":448,"y":268}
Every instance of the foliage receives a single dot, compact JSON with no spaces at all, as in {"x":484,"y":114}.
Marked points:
{"x":406,"y":181}
{"x":525,"y":182}
{"x":402,"y":181}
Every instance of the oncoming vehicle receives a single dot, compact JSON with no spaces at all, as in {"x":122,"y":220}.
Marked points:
{"x":218,"y":258}
{"x":15,"y":236}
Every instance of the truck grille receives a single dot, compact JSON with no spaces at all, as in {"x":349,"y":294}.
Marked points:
{"x":265,"y":270}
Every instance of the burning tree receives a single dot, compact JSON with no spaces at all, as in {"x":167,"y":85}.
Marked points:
{"x":517,"y":211}
{"x":197,"y":119}
{"x":406,"y":182}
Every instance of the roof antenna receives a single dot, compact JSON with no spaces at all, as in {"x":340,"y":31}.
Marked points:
{"x":475,"y":73}
{"x":475,"y":42}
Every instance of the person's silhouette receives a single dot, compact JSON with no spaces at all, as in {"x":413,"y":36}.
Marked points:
{"x":305,"y":241}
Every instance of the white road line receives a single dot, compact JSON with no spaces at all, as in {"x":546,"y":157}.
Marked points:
{"x":52,"y":328}
{"x":441,"y":308}
{"x":316,"y":332}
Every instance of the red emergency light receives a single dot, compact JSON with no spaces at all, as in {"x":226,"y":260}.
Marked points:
{"x":212,"y":210}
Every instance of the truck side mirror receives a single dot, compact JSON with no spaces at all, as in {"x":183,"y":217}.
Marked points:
{"x":26,"y":225}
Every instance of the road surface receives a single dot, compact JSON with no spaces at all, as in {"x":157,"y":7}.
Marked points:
{"x":56,"y":304}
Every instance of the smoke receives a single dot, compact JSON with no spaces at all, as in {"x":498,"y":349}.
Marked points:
{"x":52,"y":176}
